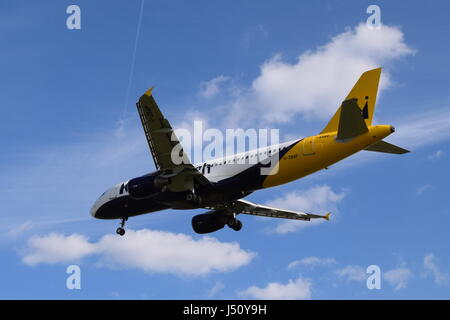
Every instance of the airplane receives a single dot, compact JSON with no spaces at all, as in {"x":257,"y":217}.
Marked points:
{"x":219,"y":185}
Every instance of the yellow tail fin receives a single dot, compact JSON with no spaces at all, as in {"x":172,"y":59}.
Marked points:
{"x":365,"y":91}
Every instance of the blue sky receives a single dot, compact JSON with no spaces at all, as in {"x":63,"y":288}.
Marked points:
{"x":70,"y":130}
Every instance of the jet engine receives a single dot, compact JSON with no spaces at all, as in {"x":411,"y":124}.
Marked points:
{"x":208,"y":222}
{"x":145,"y":186}
{"x":212,"y":221}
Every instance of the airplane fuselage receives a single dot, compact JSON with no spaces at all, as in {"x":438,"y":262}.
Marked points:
{"x":237,"y":176}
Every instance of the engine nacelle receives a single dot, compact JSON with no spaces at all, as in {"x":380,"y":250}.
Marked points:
{"x":209,"y":222}
{"x":145,"y":186}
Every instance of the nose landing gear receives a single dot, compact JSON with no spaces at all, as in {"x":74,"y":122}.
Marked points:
{"x":121,"y":231}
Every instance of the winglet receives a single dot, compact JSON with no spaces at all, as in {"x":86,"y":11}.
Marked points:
{"x":327,"y":216}
{"x":149,"y":92}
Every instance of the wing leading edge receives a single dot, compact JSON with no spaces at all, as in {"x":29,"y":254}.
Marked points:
{"x":162,"y":142}
{"x":159,"y":133}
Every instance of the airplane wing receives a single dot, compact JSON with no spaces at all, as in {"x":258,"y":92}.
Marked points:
{"x":247,"y":207}
{"x":164,"y":144}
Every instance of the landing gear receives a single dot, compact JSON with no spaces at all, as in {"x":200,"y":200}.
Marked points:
{"x":190,"y":196}
{"x":193,"y":198}
{"x":121,"y":231}
{"x":235,"y":224}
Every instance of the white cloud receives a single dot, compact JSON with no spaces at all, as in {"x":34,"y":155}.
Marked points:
{"x":312,"y":261}
{"x":160,"y":251}
{"x":422,"y":189}
{"x":218,"y":286}
{"x":57,"y":248}
{"x":352,"y":273}
{"x":252,"y":35}
{"x":20,"y":229}
{"x":210,"y":89}
{"x":318,"y":199}
{"x":423,"y":129}
{"x":115,"y":295}
{"x":315,"y":85}
{"x":436,"y":155}
{"x":398,"y":277}
{"x":297,"y":289}
{"x":191,"y":133}
{"x":432,"y":269}
{"x":148,"y":250}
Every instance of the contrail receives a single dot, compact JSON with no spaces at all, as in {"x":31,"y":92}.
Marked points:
{"x":133,"y":58}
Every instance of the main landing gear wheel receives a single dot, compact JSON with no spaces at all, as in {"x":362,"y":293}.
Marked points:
{"x":193,"y":198}
{"x":235,"y":224}
{"x":190,"y":196}
{"x":121,"y":231}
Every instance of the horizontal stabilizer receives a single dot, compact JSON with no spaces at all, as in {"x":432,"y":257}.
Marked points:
{"x":383,"y":146}
{"x":351,"y":121}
